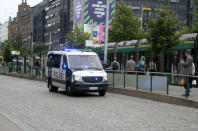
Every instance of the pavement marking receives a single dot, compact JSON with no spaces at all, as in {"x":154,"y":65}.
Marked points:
{"x":7,"y":125}
{"x":13,"y":123}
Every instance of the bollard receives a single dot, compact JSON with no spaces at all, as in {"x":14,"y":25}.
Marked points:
{"x":137,"y":81}
{"x":167,"y":86}
{"x":113,"y":79}
{"x":124,"y":79}
{"x":151,"y":82}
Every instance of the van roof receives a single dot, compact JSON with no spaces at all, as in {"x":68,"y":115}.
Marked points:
{"x":72,"y":52}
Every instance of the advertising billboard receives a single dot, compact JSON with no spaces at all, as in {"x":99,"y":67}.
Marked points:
{"x":78,"y":12}
{"x":95,"y":11}
{"x":92,"y":12}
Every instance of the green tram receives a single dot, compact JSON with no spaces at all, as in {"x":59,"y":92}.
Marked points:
{"x":125,"y":51}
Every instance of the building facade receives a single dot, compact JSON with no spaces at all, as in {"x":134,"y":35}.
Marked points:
{"x":51,"y":22}
{"x":12,"y":28}
{"x":147,"y":9}
{"x":53,"y":19}
{"x":24,"y":22}
{"x":21,"y":24}
{"x":38,"y":22}
{"x":3,"y":32}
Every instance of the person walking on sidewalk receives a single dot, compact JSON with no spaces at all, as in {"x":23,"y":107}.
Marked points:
{"x":187,"y":70}
{"x":130,"y":64}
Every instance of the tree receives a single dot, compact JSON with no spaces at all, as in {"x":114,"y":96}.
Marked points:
{"x":163,"y":34}
{"x":125,"y":26}
{"x":195,"y":13}
{"x":18,"y":42}
{"x":38,"y":48}
{"x":77,"y":38}
{"x":7,"y":52}
{"x":2,"y":47}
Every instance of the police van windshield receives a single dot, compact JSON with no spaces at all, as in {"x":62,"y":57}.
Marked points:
{"x":83,"y":62}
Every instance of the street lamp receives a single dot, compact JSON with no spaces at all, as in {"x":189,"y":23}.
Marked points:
{"x":106,"y":32}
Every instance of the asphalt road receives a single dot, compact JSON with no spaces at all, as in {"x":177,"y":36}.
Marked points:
{"x":30,"y":106}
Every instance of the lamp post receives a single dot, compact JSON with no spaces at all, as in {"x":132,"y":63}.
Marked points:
{"x":106,"y":32}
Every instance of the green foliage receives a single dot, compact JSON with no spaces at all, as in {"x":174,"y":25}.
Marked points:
{"x":2,"y":47}
{"x":77,"y":38}
{"x":38,"y":48}
{"x":7,"y":52}
{"x":163,"y":32}
{"x":125,"y":25}
{"x":17,"y":42}
{"x":195,"y":13}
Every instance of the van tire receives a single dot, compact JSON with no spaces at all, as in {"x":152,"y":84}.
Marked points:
{"x":51,"y":87}
{"x":102,"y":93}
{"x":69,"y":91}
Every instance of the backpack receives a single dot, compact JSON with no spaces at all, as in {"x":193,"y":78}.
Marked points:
{"x":115,"y":66}
{"x":140,"y":66}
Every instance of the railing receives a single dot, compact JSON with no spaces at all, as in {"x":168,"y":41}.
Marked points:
{"x":29,"y":71}
{"x":146,"y":81}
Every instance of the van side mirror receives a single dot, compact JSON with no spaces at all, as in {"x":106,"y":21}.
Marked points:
{"x":64,"y":66}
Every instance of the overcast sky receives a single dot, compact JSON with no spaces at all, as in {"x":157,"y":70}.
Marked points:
{"x":9,"y":8}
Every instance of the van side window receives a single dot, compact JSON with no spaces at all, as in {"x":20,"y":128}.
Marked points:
{"x":64,"y":60}
{"x":56,"y":61}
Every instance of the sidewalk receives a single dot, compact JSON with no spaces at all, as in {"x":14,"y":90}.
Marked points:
{"x":177,"y":91}
{"x":7,"y":125}
{"x":174,"y":91}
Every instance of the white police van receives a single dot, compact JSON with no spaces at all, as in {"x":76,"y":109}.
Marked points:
{"x":75,"y":71}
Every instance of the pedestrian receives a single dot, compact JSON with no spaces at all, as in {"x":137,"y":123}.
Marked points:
{"x":187,"y":70}
{"x":102,"y":62}
{"x":180,"y":71}
{"x":130,"y":66}
{"x":115,"y":64}
{"x":37,"y":67}
{"x":152,"y":66}
{"x":141,"y":65}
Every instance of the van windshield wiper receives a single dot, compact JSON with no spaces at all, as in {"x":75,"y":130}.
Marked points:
{"x":94,"y":68}
{"x":77,"y":68}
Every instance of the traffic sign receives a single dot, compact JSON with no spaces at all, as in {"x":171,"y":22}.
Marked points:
{"x":16,"y":52}
{"x":96,"y":42}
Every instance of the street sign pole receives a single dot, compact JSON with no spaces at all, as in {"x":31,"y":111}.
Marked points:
{"x":50,"y":42}
{"x":106,"y":32}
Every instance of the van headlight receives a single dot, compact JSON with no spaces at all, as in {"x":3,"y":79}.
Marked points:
{"x":105,"y":78}
{"x":77,"y":78}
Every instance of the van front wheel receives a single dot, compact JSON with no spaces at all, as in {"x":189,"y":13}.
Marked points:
{"x":102,"y":93}
{"x":69,"y":91}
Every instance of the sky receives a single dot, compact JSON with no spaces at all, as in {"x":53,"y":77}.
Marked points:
{"x":9,"y":8}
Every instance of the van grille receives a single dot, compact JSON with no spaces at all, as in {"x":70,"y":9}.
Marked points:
{"x":92,"y":79}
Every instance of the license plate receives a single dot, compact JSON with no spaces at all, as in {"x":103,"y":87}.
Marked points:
{"x":93,"y":88}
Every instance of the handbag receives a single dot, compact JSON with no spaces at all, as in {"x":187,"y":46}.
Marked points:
{"x":182,"y":82}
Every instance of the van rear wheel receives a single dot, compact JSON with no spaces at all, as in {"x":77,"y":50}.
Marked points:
{"x":51,"y":87}
{"x":102,"y":93}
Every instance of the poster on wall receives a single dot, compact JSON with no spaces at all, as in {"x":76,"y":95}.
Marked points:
{"x":78,"y":12}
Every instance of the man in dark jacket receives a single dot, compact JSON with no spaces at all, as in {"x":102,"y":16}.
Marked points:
{"x":115,"y":64}
{"x":187,"y":70}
